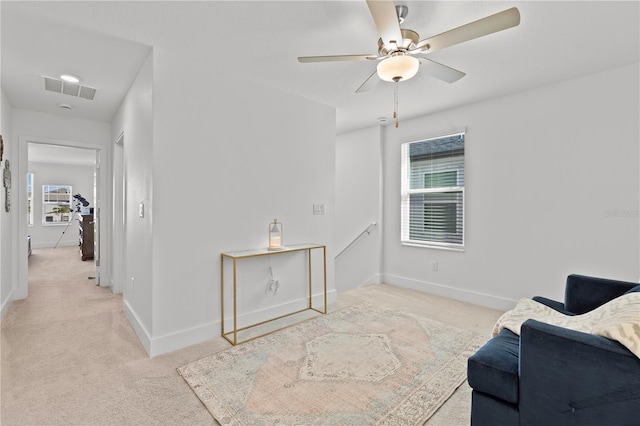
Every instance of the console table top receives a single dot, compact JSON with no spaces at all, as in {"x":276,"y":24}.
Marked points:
{"x":266,"y":252}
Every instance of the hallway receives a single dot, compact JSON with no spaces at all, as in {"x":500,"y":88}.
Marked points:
{"x":69,"y":355}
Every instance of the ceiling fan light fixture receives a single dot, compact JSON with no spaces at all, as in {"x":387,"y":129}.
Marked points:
{"x":70,"y":78}
{"x":398,"y":68}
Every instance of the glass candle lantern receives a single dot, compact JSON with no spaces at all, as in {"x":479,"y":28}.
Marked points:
{"x":275,"y":235}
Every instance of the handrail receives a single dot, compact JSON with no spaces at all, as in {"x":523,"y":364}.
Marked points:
{"x":366,"y":231}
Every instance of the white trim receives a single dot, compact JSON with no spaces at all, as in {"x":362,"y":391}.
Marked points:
{"x":477,"y":298}
{"x":262,"y":314}
{"x":117,"y":271}
{"x":51,"y":244}
{"x":20,"y":262}
{"x":437,"y":135}
{"x":138,"y":327}
{"x":433,"y":245}
{"x":181,"y":339}
{"x":381,"y":198}
{"x":6,"y":305}
{"x":59,"y":203}
{"x":373,"y":279}
{"x":406,"y":192}
{"x":184,"y":338}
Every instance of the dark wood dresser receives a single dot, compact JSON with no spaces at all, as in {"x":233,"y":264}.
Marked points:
{"x":86,"y":236}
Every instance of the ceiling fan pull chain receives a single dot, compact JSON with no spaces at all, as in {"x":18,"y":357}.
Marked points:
{"x":395,"y":93}
{"x":395,"y":103}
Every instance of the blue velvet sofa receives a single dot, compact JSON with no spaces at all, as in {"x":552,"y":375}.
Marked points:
{"x":552,"y":376}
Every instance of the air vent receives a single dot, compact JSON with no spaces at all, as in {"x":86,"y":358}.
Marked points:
{"x":87,"y":92}
{"x":71,"y":89}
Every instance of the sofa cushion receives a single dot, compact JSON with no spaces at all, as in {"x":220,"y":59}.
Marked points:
{"x":493,"y":369}
{"x":489,"y":411}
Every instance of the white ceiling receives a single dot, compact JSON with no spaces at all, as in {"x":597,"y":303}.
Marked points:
{"x":107,"y":42}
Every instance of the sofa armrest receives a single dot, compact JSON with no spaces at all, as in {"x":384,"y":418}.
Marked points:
{"x":584,"y":294}
{"x":570,"y":377}
{"x":558,"y":306}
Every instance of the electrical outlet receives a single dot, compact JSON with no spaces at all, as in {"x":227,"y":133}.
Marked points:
{"x":318,"y":209}
{"x":434,"y":266}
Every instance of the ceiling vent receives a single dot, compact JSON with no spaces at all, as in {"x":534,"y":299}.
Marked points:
{"x":71,"y":89}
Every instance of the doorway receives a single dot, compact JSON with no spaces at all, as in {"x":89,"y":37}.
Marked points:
{"x":64,"y":184}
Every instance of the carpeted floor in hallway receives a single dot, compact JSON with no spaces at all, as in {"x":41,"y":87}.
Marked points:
{"x":70,"y":357}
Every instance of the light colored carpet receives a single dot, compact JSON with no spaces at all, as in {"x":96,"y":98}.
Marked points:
{"x":69,"y":356}
{"x":361,"y":365}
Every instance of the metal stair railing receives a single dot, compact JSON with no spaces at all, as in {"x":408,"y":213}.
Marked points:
{"x":366,"y":231}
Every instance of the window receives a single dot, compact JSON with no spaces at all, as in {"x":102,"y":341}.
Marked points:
{"x":29,"y":199}
{"x":433,"y":192}
{"x":56,"y":204}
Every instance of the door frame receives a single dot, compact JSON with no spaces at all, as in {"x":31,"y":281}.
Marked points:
{"x":20,"y":289}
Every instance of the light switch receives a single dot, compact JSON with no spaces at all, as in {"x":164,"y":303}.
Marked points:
{"x":141,"y":209}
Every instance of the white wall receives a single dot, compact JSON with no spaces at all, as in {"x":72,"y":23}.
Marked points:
{"x":81,"y":180}
{"x":8,"y":266}
{"x":214,"y":160}
{"x":134,"y":163}
{"x":229,"y":156}
{"x":546,"y":172}
{"x":31,"y":126}
{"x":358,"y":205}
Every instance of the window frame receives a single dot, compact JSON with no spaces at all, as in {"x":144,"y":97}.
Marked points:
{"x":46,"y":203}
{"x":406,"y":192}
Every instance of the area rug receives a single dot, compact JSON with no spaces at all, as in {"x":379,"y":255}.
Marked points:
{"x":361,"y":365}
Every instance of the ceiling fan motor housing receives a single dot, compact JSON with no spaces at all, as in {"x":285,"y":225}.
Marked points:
{"x":409,"y":40}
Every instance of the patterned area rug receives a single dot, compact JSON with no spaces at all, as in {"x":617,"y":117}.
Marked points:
{"x":359,"y":365}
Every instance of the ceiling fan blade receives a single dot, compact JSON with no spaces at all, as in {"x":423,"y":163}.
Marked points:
{"x":439,"y":71}
{"x":386,"y":19}
{"x":482,"y":27}
{"x":369,"y":83}
{"x":336,"y":58}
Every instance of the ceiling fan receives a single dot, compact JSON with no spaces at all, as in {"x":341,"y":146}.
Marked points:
{"x":400,"y":52}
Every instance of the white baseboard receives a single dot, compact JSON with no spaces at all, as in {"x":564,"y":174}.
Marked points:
{"x":6,"y":304}
{"x":52,"y":244}
{"x":114,"y":289}
{"x":140,"y":329}
{"x":373,"y":279}
{"x":477,"y":298}
{"x":260,"y":315}
{"x":181,"y":339}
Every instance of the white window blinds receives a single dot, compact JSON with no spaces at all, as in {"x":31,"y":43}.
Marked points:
{"x":433,"y":192}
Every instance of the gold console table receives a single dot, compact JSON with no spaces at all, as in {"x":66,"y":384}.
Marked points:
{"x":232,"y":336}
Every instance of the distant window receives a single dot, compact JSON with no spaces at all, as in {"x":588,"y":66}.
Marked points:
{"x":30,"y":199}
{"x":433,"y":192}
{"x":56,"y":204}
